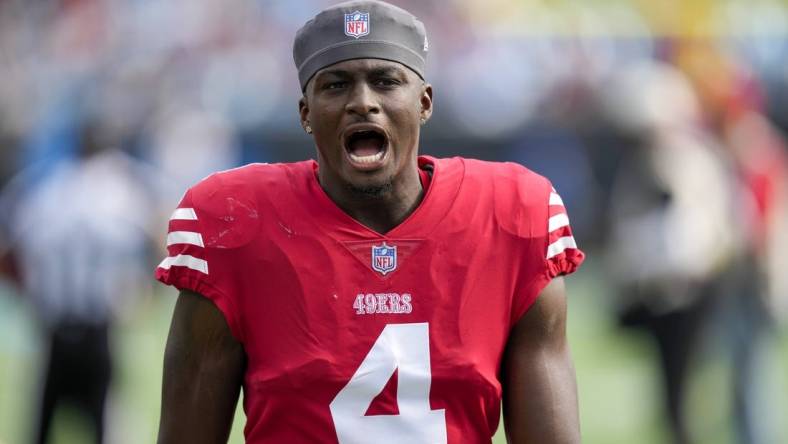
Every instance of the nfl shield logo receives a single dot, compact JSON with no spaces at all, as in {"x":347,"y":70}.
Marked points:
{"x":384,"y":258}
{"x":357,"y":24}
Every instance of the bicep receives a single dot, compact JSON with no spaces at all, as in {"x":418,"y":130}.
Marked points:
{"x":203,"y":374}
{"x":540,"y":392}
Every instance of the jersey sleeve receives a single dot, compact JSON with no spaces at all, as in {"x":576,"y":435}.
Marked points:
{"x":189,"y":264}
{"x":562,"y":255}
{"x":552,"y":251}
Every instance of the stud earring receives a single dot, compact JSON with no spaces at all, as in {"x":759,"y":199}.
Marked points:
{"x":308,"y":129}
{"x":423,"y":120}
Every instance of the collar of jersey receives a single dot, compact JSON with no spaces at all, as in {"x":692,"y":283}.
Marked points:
{"x":447,"y":177}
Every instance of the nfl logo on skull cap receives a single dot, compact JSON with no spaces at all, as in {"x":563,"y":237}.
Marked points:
{"x":384,"y":258}
{"x":357,"y":24}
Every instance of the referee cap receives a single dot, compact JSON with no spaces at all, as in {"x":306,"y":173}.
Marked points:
{"x":360,"y":29}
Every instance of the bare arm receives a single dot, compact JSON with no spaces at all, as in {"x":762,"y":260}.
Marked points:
{"x":203,"y":374}
{"x":540,"y":390}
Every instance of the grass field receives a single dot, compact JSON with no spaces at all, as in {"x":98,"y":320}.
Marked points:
{"x":618,"y":383}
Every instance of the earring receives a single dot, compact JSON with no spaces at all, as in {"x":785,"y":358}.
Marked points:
{"x":308,"y":129}
{"x":423,"y":121}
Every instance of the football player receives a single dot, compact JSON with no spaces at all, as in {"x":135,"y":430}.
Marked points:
{"x":373,"y":295}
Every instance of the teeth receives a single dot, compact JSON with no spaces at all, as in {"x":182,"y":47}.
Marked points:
{"x":372,"y":158}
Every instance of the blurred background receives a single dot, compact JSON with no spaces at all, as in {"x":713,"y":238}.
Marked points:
{"x":661,"y":123}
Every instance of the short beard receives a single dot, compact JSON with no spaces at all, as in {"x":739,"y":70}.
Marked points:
{"x":370,"y":192}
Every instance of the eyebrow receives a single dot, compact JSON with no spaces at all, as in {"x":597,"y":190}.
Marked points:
{"x":386,"y":71}
{"x":332,"y":72}
{"x":377,"y":71}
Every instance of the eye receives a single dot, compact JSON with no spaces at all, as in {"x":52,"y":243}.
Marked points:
{"x":335,"y":85}
{"x":385,"y":82}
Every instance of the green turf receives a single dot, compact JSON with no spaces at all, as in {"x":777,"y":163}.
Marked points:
{"x":618,"y":383}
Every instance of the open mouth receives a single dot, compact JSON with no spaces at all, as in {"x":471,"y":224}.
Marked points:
{"x":366,"y":147}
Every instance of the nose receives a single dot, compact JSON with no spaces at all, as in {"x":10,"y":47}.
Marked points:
{"x":362,"y":100}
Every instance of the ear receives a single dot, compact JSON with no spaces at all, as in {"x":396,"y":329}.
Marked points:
{"x":426,"y":101}
{"x":303,"y":110}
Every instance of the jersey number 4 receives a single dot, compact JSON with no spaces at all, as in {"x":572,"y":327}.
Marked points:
{"x":405,"y":347}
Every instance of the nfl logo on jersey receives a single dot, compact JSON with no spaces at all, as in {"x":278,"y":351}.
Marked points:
{"x":384,"y":258}
{"x":357,"y":24}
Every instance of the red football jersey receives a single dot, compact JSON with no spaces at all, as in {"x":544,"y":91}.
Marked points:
{"x":353,"y":336}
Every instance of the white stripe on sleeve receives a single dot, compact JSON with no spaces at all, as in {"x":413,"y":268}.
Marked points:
{"x":183,"y":214}
{"x":184,"y":260}
{"x":555,"y":199}
{"x":558,"y":221}
{"x":185,"y":237}
{"x":560,"y":245}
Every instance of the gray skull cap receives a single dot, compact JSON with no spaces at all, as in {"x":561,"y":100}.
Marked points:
{"x":359,"y":29}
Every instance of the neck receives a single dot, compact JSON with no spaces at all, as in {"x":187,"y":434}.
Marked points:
{"x":380,"y":211}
